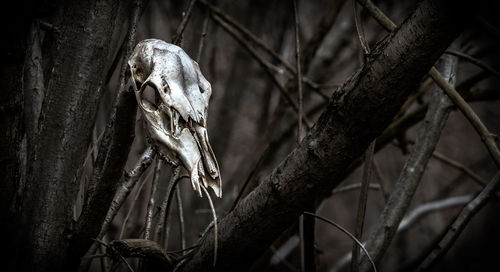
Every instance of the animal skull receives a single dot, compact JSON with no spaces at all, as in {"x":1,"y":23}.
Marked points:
{"x":176,"y":123}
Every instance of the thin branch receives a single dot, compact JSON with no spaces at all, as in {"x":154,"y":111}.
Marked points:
{"x":257,"y":156}
{"x":412,"y":218}
{"x":92,"y":148}
{"x":453,"y":163}
{"x":299,"y":73}
{"x":182,"y":26}
{"x":405,"y":122}
{"x":268,"y":67}
{"x":279,"y":259}
{"x":348,"y":234}
{"x":474,"y":61}
{"x":125,"y":261}
{"x":429,"y":207}
{"x":151,"y":203}
{"x":180,"y":211}
{"x":214,"y":214}
{"x":378,"y":15}
{"x":381,"y":181}
{"x":460,"y":223}
{"x":237,"y":26}
{"x":165,"y":205}
{"x":359,"y":30}
{"x":115,"y":252}
{"x":363,"y":198}
{"x":410,"y":177}
{"x":307,"y":240}
{"x":204,"y":31}
{"x":487,"y":137}
{"x":322,"y":29}
{"x":128,"y":183}
{"x":355,"y":186}
{"x":139,"y":190}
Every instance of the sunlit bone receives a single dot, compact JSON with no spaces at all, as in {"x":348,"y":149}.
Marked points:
{"x":177,"y":125}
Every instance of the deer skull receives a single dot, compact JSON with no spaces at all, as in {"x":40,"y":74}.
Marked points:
{"x":176,"y":122}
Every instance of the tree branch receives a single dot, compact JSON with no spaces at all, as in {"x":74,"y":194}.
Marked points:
{"x":65,"y":127}
{"x":340,"y":136}
{"x":400,"y":199}
{"x":113,"y":153}
{"x":151,"y":202}
{"x":481,"y":129}
{"x":460,"y":222}
{"x":363,"y":198}
{"x":130,"y":179}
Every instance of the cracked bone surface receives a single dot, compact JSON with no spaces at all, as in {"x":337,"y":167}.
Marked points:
{"x":176,"y":122}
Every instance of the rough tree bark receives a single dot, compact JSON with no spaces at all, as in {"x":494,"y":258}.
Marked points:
{"x":356,"y":114}
{"x":113,"y":153}
{"x":75,"y":75}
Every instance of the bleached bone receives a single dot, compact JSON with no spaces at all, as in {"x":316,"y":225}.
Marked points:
{"x":176,"y":126}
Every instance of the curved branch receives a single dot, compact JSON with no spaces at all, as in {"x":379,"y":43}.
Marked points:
{"x":460,"y":222}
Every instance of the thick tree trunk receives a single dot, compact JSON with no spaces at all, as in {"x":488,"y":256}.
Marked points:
{"x":75,"y":76}
{"x":356,"y":114}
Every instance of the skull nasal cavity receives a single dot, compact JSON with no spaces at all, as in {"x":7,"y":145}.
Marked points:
{"x":151,"y":96}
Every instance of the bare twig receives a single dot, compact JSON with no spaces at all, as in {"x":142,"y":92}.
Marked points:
{"x":204,"y":31}
{"x":157,"y":258}
{"x":115,"y":252}
{"x":348,"y":234}
{"x":381,"y":181}
{"x":400,"y":199}
{"x":460,"y":223}
{"x":237,"y":26}
{"x":378,"y":15}
{"x":326,"y":23}
{"x":352,"y":187}
{"x":433,"y":206}
{"x":92,"y":149}
{"x":474,"y":61}
{"x":139,"y":190}
{"x":151,"y":203}
{"x":363,"y":198}
{"x":182,"y":26}
{"x":299,"y":74}
{"x":268,"y":67}
{"x":165,"y":205}
{"x":129,"y":182}
{"x":278,"y":259}
{"x":412,"y":218}
{"x":487,"y":138}
{"x":266,"y":140}
{"x":214,"y":214}
{"x":359,"y":30}
{"x":258,"y":154}
{"x":461,"y":167}
{"x":178,"y":197}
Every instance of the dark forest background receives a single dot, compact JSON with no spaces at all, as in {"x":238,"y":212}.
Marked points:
{"x":381,"y":145}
